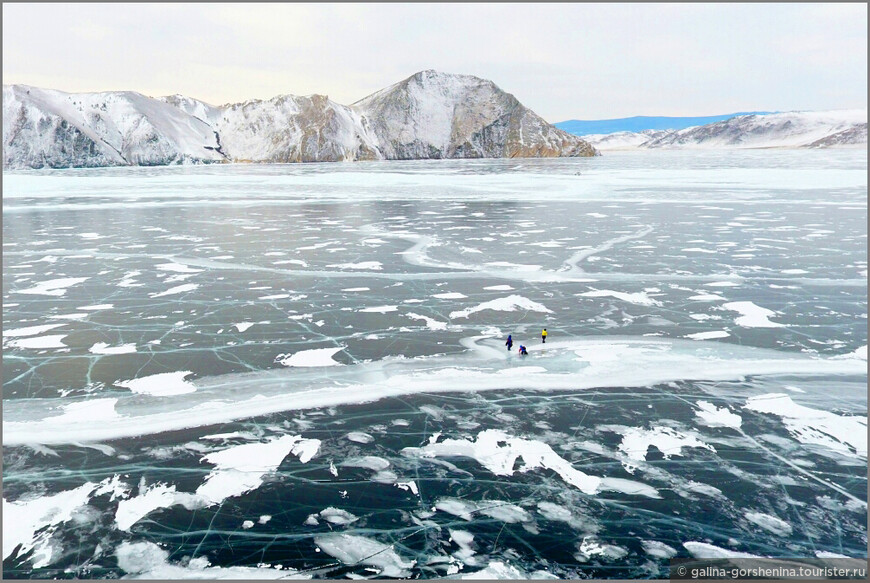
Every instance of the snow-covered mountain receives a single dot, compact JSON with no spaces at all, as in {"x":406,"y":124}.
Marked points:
{"x":798,"y":129}
{"x":433,"y":115}
{"x":43,"y":127}
{"x":428,"y":115}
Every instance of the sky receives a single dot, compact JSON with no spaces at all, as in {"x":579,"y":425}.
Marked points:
{"x":562,"y":60}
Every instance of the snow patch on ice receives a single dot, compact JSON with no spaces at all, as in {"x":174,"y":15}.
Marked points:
{"x":355,"y":550}
{"x":310,"y":358}
{"x":508,"y":304}
{"x":162,"y":384}
{"x":713,"y":416}
{"x":53,"y":287}
{"x":751,"y":315}
{"x":639,"y":298}
{"x":846,"y":434}
{"x":498,"y":452}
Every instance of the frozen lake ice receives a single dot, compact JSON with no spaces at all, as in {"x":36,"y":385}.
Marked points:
{"x":299,"y":370}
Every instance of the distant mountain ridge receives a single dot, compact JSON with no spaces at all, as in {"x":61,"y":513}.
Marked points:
{"x":797,"y":129}
{"x":429,"y":115}
{"x":639,"y":123}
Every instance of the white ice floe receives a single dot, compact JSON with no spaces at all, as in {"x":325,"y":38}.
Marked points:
{"x":450,"y":296}
{"x":499,"y":570}
{"x":53,"y":287}
{"x":310,"y":358}
{"x":769,"y":523}
{"x":859,"y":353}
{"x":431,"y":323}
{"x":177,"y":268}
{"x":74,"y":316}
{"x":103,"y":348}
{"x":722,"y":284}
{"x":179,"y":289}
{"x":589,"y":547}
{"x":274,"y":297}
{"x":410,"y":486}
{"x":713,"y":416}
{"x":359,"y":437}
{"x":356,"y":289}
{"x":160,"y":385}
{"x":498,"y":288}
{"x":146,"y":560}
{"x":243,"y":468}
{"x":337,"y":516}
{"x":636,"y":441}
{"x":846,"y":434}
{"x":242,"y":326}
{"x":751,"y":315}
{"x":132,"y":510}
{"x":378,"y":309}
{"x":358,"y":550}
{"x":30,"y":330}
{"x":369,"y":462}
{"x":31,"y":522}
{"x":498,"y":452}
{"x":658,"y":549}
{"x":701,"y":550}
{"x":374,"y":265}
{"x":708,"y":335}
{"x":508,"y":304}
{"x":39,"y":342}
{"x":89,"y":411}
{"x":706,"y":298}
{"x":497,"y":509}
{"x":639,"y":298}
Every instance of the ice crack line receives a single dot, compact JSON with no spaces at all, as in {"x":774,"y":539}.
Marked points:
{"x":571,"y":265}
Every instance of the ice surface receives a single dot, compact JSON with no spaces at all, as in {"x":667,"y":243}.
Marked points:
{"x":259,"y":243}
{"x":571,"y":364}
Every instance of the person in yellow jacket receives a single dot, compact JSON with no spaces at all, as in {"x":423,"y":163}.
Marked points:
{"x":544,"y":336}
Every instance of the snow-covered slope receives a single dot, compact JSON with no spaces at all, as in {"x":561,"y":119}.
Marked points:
{"x":428,"y":115}
{"x":798,"y":129}
{"x":42,"y":127}
{"x":434,"y":115}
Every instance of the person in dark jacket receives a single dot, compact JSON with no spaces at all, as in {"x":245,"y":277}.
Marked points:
{"x":510,"y":342}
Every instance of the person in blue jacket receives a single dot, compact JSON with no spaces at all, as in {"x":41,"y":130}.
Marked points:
{"x":523,"y":351}
{"x":510,"y":342}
